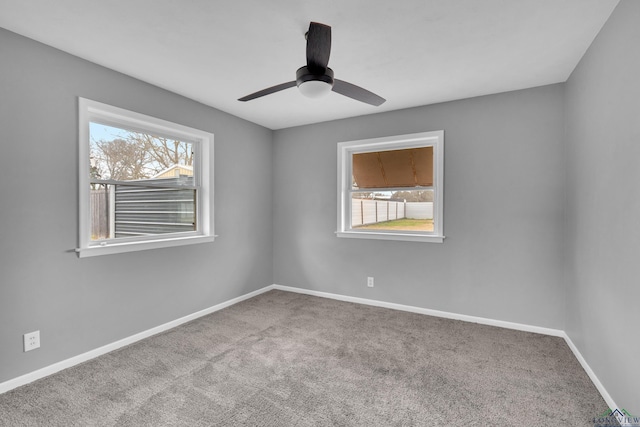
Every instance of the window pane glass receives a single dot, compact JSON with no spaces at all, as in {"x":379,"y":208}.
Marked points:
{"x":131,"y":210}
{"x":123,"y":155}
{"x":410,"y":210}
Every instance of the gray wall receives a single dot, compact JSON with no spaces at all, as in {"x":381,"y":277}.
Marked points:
{"x":82,"y":304}
{"x":502,"y":257}
{"x":603,"y":205}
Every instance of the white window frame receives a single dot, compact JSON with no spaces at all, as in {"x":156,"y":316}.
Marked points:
{"x":93,"y":111}
{"x":347,"y":149}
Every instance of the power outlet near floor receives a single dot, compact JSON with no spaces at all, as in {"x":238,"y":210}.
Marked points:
{"x":31,"y":340}
{"x":370,"y":282}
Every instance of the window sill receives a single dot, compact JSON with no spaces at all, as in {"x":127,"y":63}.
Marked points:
{"x":116,"y":248}
{"x":391,"y":236}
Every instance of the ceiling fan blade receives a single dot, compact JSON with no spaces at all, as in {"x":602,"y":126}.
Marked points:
{"x":357,"y":93}
{"x":318,"y":47}
{"x":268,"y":91}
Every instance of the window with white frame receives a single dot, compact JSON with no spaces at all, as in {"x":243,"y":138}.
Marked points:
{"x":392,"y":188}
{"x":144,"y":182}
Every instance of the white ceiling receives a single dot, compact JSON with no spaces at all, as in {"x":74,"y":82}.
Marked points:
{"x":411,"y":52}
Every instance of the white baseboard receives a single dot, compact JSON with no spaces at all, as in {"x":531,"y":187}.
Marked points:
{"x":56,"y":367}
{"x":605,"y":394}
{"x":52,"y":369}
{"x":429,"y":312}
{"x":473,"y":319}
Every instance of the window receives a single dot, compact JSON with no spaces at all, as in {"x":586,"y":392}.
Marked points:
{"x":392,"y":188}
{"x":144,"y":182}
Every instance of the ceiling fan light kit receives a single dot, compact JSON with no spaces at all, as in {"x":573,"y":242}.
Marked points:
{"x":314,"y":85}
{"x":316,"y":80}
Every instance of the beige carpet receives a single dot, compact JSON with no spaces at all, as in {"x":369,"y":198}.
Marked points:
{"x":286,"y":359}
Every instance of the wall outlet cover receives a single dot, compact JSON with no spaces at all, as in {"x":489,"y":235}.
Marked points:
{"x":31,"y":340}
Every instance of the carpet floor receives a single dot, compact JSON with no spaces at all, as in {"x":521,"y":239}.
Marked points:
{"x":287,"y":359}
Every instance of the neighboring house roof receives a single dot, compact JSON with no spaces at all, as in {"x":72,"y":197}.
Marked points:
{"x":174,"y":171}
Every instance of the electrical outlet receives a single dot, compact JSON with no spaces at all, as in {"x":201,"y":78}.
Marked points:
{"x":370,"y":282}
{"x":31,"y":340}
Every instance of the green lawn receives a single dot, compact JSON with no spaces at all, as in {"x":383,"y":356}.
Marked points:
{"x":401,"y":224}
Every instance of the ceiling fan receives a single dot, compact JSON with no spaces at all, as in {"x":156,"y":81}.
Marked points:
{"x":316,"y":78}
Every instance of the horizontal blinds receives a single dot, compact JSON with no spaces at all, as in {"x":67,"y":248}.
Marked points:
{"x":410,"y":167}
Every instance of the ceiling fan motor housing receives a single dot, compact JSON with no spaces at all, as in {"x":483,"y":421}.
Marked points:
{"x":305,"y":75}
{"x":314,"y":85}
